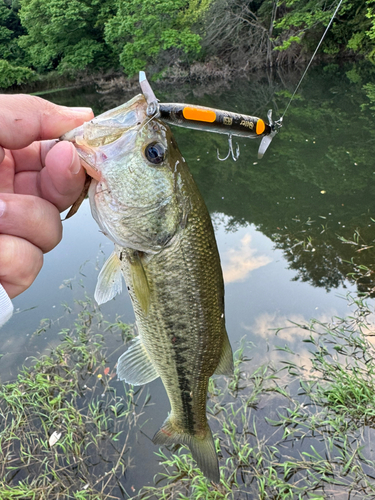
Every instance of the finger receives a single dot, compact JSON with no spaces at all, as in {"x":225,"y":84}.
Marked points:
{"x":32,"y":157}
{"x":25,"y":119}
{"x":63,"y":178}
{"x":31,"y":218}
{"x":7,"y":174}
{"x":20,"y":263}
{"x":60,"y":182}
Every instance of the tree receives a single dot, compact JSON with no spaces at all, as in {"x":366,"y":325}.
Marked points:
{"x":12,"y":69}
{"x":66,"y":34}
{"x":240,"y":31}
{"x":11,"y":75}
{"x":305,"y":20}
{"x":141,"y":31}
{"x":10,"y":30}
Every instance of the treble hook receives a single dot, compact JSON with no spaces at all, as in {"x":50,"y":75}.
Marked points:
{"x":235,"y":156}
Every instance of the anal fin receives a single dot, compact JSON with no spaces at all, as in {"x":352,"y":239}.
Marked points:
{"x":225,"y":365}
{"x":135,"y":366}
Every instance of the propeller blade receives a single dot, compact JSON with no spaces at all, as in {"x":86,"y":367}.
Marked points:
{"x":148,"y":93}
{"x":265,"y":142}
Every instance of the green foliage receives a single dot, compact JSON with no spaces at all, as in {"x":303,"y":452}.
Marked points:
{"x":10,"y":30}
{"x":356,"y":41}
{"x":66,"y":394}
{"x":11,"y":75}
{"x":287,"y":43}
{"x":5,"y":32}
{"x":65,"y":34}
{"x":71,"y":35}
{"x":194,"y":12}
{"x":352,"y":28}
{"x":142,"y":30}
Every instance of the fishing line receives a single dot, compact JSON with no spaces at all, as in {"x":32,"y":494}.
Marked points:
{"x":154,"y":109}
{"x":311,"y":60}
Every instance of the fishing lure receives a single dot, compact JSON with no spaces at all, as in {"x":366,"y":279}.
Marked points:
{"x":211,"y":120}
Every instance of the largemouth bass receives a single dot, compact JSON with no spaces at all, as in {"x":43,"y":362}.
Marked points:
{"x":145,"y":200}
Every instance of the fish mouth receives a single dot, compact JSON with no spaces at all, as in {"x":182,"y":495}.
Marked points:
{"x":99,"y":138}
{"x":109,"y":126}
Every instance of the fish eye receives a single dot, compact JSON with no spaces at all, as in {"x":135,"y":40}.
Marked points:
{"x":155,"y":153}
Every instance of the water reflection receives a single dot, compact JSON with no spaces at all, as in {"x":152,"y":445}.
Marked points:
{"x":238,"y":262}
{"x":313,"y":187}
{"x":286,"y":328}
{"x":315,"y":184}
{"x":316,"y":181}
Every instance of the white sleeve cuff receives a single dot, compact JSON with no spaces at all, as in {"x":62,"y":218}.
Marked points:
{"x":6,"y":306}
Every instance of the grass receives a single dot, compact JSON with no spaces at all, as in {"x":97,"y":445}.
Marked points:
{"x":67,"y":392}
{"x":289,"y":432}
{"x":283,"y":432}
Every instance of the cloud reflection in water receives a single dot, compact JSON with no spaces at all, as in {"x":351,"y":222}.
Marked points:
{"x":238,"y":262}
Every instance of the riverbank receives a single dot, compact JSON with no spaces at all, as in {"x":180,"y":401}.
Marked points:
{"x":179,"y":72}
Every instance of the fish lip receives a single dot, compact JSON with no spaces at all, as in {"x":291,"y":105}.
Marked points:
{"x":72,"y":134}
{"x":135,"y":110}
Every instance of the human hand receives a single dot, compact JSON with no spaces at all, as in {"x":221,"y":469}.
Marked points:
{"x":39,"y":178}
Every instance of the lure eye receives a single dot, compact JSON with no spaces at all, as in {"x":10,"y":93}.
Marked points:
{"x":155,"y":153}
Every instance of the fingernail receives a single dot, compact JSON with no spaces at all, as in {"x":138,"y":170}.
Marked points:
{"x":75,"y":166}
{"x":2,"y":207}
{"x":81,"y":110}
{"x":45,"y":148}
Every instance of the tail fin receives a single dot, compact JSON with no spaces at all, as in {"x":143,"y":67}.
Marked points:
{"x":202,"y":449}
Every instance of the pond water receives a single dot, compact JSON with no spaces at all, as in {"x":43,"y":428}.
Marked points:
{"x":280,"y":221}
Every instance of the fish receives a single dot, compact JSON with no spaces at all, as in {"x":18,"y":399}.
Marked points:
{"x":144,"y":199}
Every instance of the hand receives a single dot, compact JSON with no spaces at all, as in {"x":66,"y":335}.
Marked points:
{"x":38,"y":179}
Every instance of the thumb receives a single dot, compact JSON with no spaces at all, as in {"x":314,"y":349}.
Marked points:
{"x":25,"y":119}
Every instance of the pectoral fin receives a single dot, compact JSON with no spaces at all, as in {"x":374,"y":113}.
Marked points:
{"x":109,"y":280}
{"x":225,"y":366}
{"x":135,"y":365}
